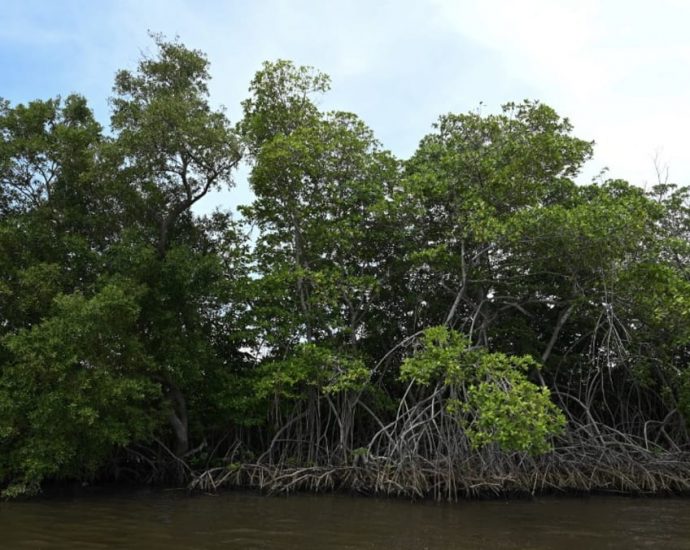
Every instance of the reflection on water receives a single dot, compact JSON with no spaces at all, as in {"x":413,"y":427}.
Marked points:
{"x":170,"y":520}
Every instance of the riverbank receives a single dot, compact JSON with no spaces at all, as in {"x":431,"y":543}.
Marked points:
{"x":578,"y":470}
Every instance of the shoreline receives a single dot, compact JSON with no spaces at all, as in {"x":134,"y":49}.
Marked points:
{"x":65,"y":490}
{"x":664,"y":476}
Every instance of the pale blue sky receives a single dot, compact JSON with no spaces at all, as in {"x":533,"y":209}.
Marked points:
{"x":620,"y":70}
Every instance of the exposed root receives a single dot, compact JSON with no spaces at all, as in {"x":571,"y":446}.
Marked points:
{"x":617,"y":467}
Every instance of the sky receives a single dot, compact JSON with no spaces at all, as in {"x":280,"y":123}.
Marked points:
{"x":619,"y":70}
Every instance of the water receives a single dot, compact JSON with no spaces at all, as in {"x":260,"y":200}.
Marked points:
{"x":171,"y":521}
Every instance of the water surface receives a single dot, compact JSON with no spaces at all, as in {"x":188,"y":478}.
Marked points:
{"x":171,"y":520}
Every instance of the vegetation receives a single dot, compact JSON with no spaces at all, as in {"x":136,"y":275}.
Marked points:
{"x":465,"y":321}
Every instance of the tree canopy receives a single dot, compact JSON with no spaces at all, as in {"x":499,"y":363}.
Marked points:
{"x":466,"y":312}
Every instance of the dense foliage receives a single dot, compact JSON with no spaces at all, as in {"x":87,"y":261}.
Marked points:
{"x":423,"y":318}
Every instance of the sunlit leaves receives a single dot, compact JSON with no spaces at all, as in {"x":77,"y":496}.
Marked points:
{"x":489,"y":394}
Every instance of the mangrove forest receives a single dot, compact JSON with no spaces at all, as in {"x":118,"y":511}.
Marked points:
{"x":470,"y":321}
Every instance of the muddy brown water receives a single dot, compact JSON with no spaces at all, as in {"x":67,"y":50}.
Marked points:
{"x":172,"y":520}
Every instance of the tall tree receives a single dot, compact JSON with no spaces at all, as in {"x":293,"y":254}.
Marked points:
{"x":326,"y":220}
{"x":175,"y":149}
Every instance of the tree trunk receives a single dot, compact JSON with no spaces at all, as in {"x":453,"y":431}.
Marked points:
{"x":178,"y":420}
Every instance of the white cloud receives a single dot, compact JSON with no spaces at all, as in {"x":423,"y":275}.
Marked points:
{"x":617,"y":69}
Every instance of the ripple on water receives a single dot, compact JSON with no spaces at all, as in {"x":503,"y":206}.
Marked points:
{"x":171,"y":521}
